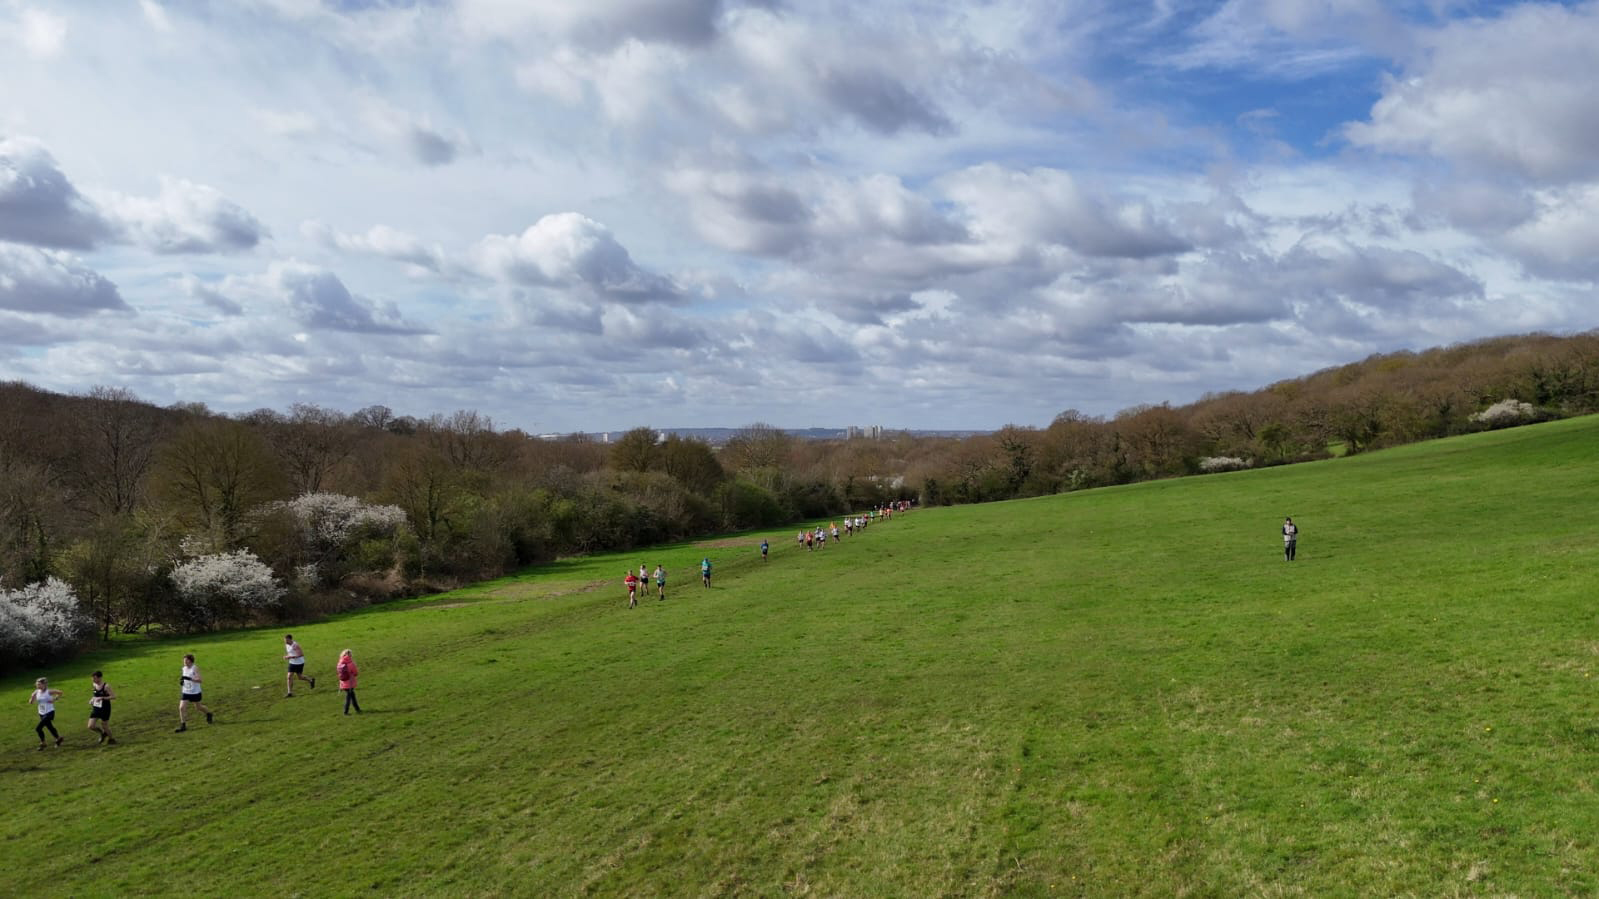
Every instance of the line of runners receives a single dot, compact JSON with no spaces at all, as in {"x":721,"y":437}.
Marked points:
{"x":811,"y":540}
{"x":191,"y":687}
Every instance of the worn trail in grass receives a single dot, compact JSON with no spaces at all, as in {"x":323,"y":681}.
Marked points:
{"x":1115,"y":692}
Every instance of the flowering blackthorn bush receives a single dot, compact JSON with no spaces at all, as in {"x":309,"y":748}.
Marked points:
{"x":41,"y":621}
{"x":223,"y":587}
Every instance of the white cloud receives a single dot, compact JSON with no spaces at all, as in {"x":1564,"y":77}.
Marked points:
{"x":1287,"y":38}
{"x":210,"y":295}
{"x":39,"y":205}
{"x":186,"y":218}
{"x":1473,"y":205}
{"x":570,"y":250}
{"x":380,"y":240}
{"x":156,"y":15}
{"x":51,"y":282}
{"x":1373,"y":275}
{"x":788,"y":67}
{"x":774,"y":71}
{"x":1049,"y":206}
{"x":637,"y":84}
{"x":746,"y":209}
{"x":42,"y":34}
{"x":651,"y":329}
{"x":1561,"y":239}
{"x":415,"y":135}
{"x":600,"y":23}
{"x":1513,"y":93}
{"x":29,"y":331}
{"x":319,"y":300}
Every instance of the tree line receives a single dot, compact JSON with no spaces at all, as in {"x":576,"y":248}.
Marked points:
{"x":1384,"y":400}
{"x":176,"y":518}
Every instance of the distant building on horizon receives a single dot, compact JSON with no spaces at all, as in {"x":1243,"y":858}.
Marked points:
{"x":870,"y":432}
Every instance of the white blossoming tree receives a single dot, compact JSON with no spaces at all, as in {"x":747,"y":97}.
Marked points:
{"x":1222,"y":463}
{"x":1506,"y":413}
{"x":225,"y":587}
{"x":331,"y":535}
{"x":331,"y":519}
{"x":41,"y":621}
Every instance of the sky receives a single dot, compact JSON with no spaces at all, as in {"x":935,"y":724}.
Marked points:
{"x":603,"y":214}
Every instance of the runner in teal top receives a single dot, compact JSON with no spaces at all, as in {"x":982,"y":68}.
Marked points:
{"x":705,"y":571}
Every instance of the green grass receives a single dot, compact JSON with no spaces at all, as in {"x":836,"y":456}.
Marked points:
{"x":1116,"y":692}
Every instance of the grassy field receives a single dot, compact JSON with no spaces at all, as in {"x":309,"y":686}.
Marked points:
{"x":1111,"y":693}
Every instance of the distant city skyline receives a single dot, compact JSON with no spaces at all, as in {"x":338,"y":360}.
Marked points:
{"x":946,"y":216}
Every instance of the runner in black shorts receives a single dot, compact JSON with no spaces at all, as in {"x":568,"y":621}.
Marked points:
{"x":296,"y":658}
{"x":191,"y":693}
{"x":100,"y":710}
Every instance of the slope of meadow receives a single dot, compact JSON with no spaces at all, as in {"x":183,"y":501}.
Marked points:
{"x":1116,"y":692}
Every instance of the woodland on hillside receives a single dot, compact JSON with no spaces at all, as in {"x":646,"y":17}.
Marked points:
{"x":180,"y":519}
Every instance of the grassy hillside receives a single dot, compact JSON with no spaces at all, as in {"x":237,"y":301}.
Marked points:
{"x":1116,"y":692}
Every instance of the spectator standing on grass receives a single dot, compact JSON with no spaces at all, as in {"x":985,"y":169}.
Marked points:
{"x":191,"y":693}
{"x":347,"y":674}
{"x":100,"y":709}
{"x":660,"y":582}
{"x":296,"y":658}
{"x":1290,"y":539}
{"x":45,"y":698}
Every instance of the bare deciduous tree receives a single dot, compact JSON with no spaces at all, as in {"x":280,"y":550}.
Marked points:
{"x":213,"y":472}
{"x":756,"y":446}
{"x":116,"y":443}
{"x":467,"y":440}
{"x":313,"y":441}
